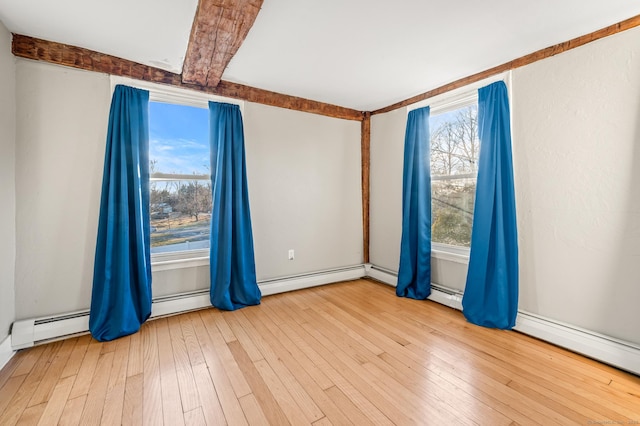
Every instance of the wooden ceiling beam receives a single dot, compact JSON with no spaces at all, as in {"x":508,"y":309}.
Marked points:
{"x":85,"y":59}
{"x":219,"y":28}
{"x":519,"y":62}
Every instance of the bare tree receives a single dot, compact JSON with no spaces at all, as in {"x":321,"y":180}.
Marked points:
{"x":194,"y":198}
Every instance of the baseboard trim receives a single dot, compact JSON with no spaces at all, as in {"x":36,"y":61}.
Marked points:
{"x":6,"y":351}
{"x":606,"y":349}
{"x":26,"y":333}
{"x":442,"y":295}
{"x":615,"y":352}
{"x":281,"y":285}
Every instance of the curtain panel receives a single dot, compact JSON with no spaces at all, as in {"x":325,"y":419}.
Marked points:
{"x":233,"y":271}
{"x":121,"y":295}
{"x":491,"y":293}
{"x":414,"y":272}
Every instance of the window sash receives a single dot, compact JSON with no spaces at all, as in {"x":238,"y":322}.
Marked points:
{"x":454,"y":177}
{"x":164,"y":177}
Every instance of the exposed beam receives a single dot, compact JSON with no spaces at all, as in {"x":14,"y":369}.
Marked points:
{"x":219,"y":28}
{"x":520,"y":62}
{"x":85,"y":59}
{"x":365,"y":153}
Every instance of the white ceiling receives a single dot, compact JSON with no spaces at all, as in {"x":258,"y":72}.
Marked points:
{"x":363,"y":54}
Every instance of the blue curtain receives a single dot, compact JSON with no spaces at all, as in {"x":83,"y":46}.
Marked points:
{"x":121,"y":296}
{"x":414,"y":273}
{"x":233,"y":270}
{"x":491,"y":293}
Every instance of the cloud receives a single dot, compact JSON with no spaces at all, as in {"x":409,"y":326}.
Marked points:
{"x":181,"y":156}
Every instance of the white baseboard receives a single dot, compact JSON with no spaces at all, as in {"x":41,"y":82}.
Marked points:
{"x":621,"y":354}
{"x":282,"y":285}
{"x":615,"y":352}
{"x":6,"y":352}
{"x":447,"y":297}
{"x":26,"y":333}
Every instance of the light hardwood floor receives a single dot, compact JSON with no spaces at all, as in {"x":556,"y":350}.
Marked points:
{"x":348,"y":353}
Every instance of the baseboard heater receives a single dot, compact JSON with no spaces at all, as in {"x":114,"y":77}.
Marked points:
{"x":606,"y":349}
{"x":26,"y":333}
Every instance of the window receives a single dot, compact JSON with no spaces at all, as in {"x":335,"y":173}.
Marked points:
{"x":455,"y":147}
{"x":180,"y":177}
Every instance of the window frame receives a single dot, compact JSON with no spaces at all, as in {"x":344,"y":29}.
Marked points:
{"x":177,"y":96}
{"x":443,"y":103}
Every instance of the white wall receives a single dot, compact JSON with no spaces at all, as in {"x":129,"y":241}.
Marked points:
{"x":7,"y":182}
{"x":577,"y":164}
{"x":62,"y":116}
{"x":385,"y":199}
{"x":576,"y":132}
{"x":304,"y":188}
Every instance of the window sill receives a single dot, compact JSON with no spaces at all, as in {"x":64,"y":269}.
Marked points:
{"x":450,"y":253}
{"x":181,"y":260}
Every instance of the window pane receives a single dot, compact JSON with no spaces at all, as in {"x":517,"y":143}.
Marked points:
{"x":452,"y":211}
{"x":180,"y":215}
{"x":454,"y":142}
{"x":455,"y":148}
{"x":178,"y":139}
{"x":180,"y":209}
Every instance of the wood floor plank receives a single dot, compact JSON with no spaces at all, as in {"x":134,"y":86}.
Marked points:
{"x":32,"y":415}
{"x":520,"y":372}
{"x":344,"y":403}
{"x":28,"y":359}
{"x":86,"y":370}
{"x":152,"y":387}
{"x":241,"y":335}
{"x":264,"y":340}
{"x":171,"y":402}
{"x":231,"y":367}
{"x":348,"y":353}
{"x":114,"y":400}
{"x":322,"y":422}
{"x":289,"y":407}
{"x":53,"y":374}
{"x":72,"y":411}
{"x":293,"y":347}
{"x":93,"y":407}
{"x":189,"y":335}
{"x":53,"y":410}
{"x":207,"y":332}
{"x":20,"y":399}
{"x":405,"y":367}
{"x":386,"y":393}
{"x":74,"y":362}
{"x":282,"y":346}
{"x":186,"y":383}
{"x":133,"y":400}
{"x":9,"y":390}
{"x":194,"y":417}
{"x":252,"y":411}
{"x":7,"y":371}
{"x":271,"y":409}
{"x":225,"y":330}
{"x":427,"y":345}
{"x":348,"y":382}
{"x":209,"y":402}
{"x":135,"y":362}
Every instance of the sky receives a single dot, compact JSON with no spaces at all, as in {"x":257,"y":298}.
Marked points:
{"x":179,"y":138}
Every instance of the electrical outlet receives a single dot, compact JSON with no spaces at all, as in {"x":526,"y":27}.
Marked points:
{"x":291,"y":254}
